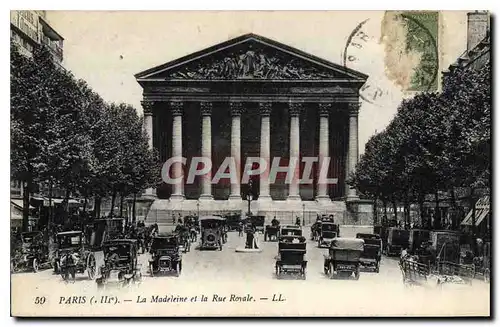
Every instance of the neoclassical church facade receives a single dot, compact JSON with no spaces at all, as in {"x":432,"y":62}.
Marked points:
{"x":253,"y":97}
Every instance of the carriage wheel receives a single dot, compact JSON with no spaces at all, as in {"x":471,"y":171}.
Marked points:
{"x":91,"y":266}
{"x":35,"y":265}
{"x":331,"y":271}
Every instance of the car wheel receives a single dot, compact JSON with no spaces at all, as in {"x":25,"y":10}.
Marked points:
{"x":331,"y":271}
{"x":35,"y":265}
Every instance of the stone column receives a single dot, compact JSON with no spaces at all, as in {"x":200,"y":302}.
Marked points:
{"x":236,"y":108}
{"x":206,"y":147}
{"x":293,"y":189}
{"x":148,"y":128}
{"x":178,"y":188}
{"x":265,"y":148}
{"x":324,"y":150}
{"x":352,"y":152}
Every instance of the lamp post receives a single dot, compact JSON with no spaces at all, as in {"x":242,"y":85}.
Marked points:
{"x":249,"y":197}
{"x":303,"y":214}
{"x":198,"y":207}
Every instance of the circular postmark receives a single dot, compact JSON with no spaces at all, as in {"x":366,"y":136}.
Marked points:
{"x":400,"y":52}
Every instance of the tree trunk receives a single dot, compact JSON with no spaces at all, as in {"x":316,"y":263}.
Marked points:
{"x":133,"y":209}
{"x":121,"y":205}
{"x":85,"y":202}
{"x":421,"y":209}
{"x":66,"y":206}
{"x":113,"y":198}
{"x":375,"y":212}
{"x":384,"y":219}
{"x":395,"y":207}
{"x":406,"y":212}
{"x":51,"y":209}
{"x":97,"y":207}
{"x":473,"y":228}
{"x":453,"y":212}
{"x":437,"y":213}
{"x":26,"y":205}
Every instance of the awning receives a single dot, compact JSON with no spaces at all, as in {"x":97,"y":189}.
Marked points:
{"x":482,"y":211}
{"x":19,"y":203}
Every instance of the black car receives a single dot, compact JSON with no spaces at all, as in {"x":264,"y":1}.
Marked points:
{"x":166,"y":255}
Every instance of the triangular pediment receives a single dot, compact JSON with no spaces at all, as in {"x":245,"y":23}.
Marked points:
{"x":250,"y":57}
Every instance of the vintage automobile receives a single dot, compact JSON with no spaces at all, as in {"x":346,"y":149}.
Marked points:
{"x":445,"y":246}
{"x":166,"y":255}
{"x":291,"y":230}
{"x":32,"y":252}
{"x":120,"y":261}
{"x":233,"y":222}
{"x":73,"y":256}
{"x":211,"y":232}
{"x":328,"y":231}
{"x":343,"y":257}
{"x":272,"y":233}
{"x":372,"y":251}
{"x":290,"y":259}
{"x":258,"y":223}
{"x":417,"y":238}
{"x":397,"y":240}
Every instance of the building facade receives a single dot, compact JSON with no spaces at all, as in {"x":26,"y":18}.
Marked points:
{"x":253,"y":97}
{"x":29,"y":28}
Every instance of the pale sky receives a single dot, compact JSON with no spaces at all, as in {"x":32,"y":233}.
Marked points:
{"x":107,"y":48}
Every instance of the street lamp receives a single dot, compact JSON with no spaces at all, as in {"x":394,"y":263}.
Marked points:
{"x":249,"y":196}
{"x":303,"y":214}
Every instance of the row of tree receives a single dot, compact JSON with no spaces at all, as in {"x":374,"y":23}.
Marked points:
{"x":438,"y":143}
{"x":64,"y":135}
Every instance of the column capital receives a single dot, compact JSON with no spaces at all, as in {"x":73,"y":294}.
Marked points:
{"x":236,"y":108}
{"x":353,"y":108}
{"x":265,"y":108}
{"x":324,"y":109}
{"x":206,"y":108}
{"x":147,"y":107}
{"x":176,"y":108}
{"x":295,"y":108}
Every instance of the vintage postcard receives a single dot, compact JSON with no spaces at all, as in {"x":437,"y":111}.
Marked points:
{"x":257,"y":164}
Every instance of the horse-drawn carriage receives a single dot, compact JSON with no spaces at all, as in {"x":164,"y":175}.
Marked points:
{"x":290,"y":259}
{"x":120,"y":261}
{"x":165,"y":255}
{"x":372,"y":251}
{"x":73,"y":256}
{"x":397,"y":240}
{"x":343,"y":258}
{"x":32,"y":252}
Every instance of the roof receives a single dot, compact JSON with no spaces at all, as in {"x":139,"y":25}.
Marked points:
{"x":70,"y":232}
{"x":255,"y":40}
{"x":348,"y":243}
{"x":211,"y":218}
{"x":121,"y":240}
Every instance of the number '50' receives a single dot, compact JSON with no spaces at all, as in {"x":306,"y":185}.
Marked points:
{"x":40,"y":300}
